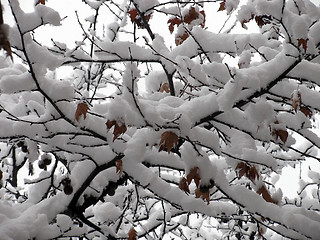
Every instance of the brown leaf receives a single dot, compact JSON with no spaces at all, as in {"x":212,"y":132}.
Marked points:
{"x":204,"y":18}
{"x":40,"y":1}
{"x":183,"y":185}
{"x":6,"y":46}
{"x":180,"y":39}
{"x":82,"y":109}
{"x":204,"y":194}
{"x":4,"y":42}
{"x":303,"y":42}
{"x":165,"y":88}
{"x":306,"y":111}
{"x":296,"y":100}
{"x":244,"y":21}
{"x":279,"y":133}
{"x":119,"y":166}
{"x":262,"y":20}
{"x":265,"y":194}
{"x":173,"y":22}
{"x":132,"y":234}
{"x":119,"y":128}
{"x":253,"y":174}
{"x":194,"y":175}
{"x":136,"y":18}
{"x":283,"y":134}
{"x":168,"y":141}
{"x":222,"y":6}
{"x":192,"y":15}
{"x":133,"y":14}
{"x":110,"y":124}
{"x":243,"y":169}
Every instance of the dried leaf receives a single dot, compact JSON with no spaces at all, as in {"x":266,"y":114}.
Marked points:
{"x":265,"y":194}
{"x":180,"y":39}
{"x":283,"y":134}
{"x":173,"y":22}
{"x":253,"y":174}
{"x":136,"y":18}
{"x":306,"y":111}
{"x":183,"y":185}
{"x":132,"y":234}
{"x":243,"y":169}
{"x":194,"y":175}
{"x":192,"y":15}
{"x":204,"y":18}
{"x":40,"y":1}
{"x":198,"y":193}
{"x":4,"y":42}
{"x":82,"y":109}
{"x":303,"y":42}
{"x":296,"y":100}
{"x":110,"y":124}
{"x":222,"y":6}
{"x":168,"y":141}
{"x":119,"y":128}
{"x":262,"y":20}
{"x":119,"y":166}
{"x":280,"y":133}
{"x":133,"y":14}
{"x":204,"y":194}
{"x":165,"y":88}
{"x":244,"y":21}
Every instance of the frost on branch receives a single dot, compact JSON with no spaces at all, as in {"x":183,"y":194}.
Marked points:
{"x":112,"y":129}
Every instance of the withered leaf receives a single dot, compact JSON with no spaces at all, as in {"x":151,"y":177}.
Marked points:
{"x":168,"y":141}
{"x":306,"y":111}
{"x":132,"y":234}
{"x":165,"y":88}
{"x":280,"y":133}
{"x":110,"y":124}
{"x":265,"y":194}
{"x":205,"y":195}
{"x":4,"y":42}
{"x":244,"y":21}
{"x":296,"y":101}
{"x":192,"y":15}
{"x":40,"y":1}
{"x":303,"y":42}
{"x":222,"y":6}
{"x":243,"y":169}
{"x":133,"y":14}
{"x":173,"y":22}
{"x":82,"y":109}
{"x":262,"y":20}
{"x":136,"y":18}
{"x":253,"y":174}
{"x":119,"y":128}
{"x":204,"y":18}
{"x":119,"y":166}
{"x":194,"y":175}
{"x":283,"y":135}
{"x":183,"y":185}
{"x":180,"y":39}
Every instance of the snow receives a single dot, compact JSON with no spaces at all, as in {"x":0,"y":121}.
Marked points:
{"x":105,"y":212}
{"x":232,"y":92}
